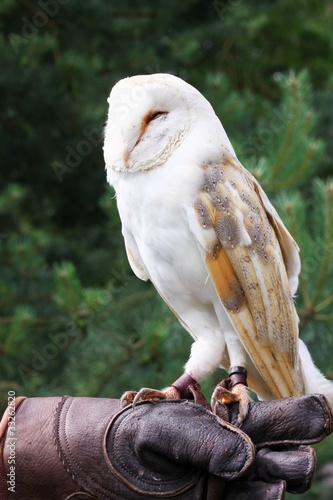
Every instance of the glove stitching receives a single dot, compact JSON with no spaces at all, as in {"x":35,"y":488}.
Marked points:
{"x":282,"y":489}
{"x":323,"y":405}
{"x":318,"y":402}
{"x":121,"y":461}
{"x":309,"y":455}
{"x":249,"y":454}
{"x":60,"y":450}
{"x":320,"y":405}
{"x":247,"y":451}
{"x":309,"y":464}
{"x":59,"y":446}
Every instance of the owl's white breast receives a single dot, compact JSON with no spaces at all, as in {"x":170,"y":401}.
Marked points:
{"x":153,"y":209}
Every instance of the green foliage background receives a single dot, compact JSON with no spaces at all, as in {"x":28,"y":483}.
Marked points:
{"x":73,"y":318}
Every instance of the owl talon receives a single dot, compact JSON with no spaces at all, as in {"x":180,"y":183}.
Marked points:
{"x":234,"y":390}
{"x":127,"y":398}
{"x":147,"y":394}
{"x":238,"y":394}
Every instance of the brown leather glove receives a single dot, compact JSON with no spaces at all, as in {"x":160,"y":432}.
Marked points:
{"x":280,"y":430}
{"x":81,"y":448}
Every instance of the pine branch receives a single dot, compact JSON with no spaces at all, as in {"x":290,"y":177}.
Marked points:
{"x":291,"y":151}
{"x":293,"y":85}
{"x":301,"y":170}
{"x":326,"y":262}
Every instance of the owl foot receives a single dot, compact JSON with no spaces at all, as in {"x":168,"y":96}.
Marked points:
{"x":234,"y":390}
{"x":147,"y":394}
{"x":185,"y":387}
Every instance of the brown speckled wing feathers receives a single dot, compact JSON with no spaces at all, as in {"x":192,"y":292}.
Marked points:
{"x":246,"y":259}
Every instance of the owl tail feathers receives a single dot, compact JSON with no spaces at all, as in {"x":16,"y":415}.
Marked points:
{"x":314,"y":380}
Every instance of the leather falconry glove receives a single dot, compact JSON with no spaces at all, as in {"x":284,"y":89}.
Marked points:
{"x":82,"y":448}
{"x":280,"y":431}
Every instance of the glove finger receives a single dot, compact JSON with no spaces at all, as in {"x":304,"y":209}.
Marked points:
{"x":169,"y":433}
{"x":294,"y":465}
{"x":252,"y":490}
{"x":286,"y":421}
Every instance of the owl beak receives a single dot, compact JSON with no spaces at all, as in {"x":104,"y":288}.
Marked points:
{"x":129,"y":149}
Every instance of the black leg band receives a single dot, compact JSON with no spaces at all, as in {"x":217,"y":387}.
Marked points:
{"x":237,"y":375}
{"x":182,"y":384}
{"x":237,"y":369}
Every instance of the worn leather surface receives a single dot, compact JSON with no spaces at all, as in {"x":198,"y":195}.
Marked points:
{"x":155,"y":450}
{"x":296,"y":465}
{"x":80,"y":448}
{"x":83,"y":448}
{"x":286,"y":420}
{"x":255,"y":490}
{"x":40,"y":474}
{"x":159,"y":430}
{"x":280,"y":429}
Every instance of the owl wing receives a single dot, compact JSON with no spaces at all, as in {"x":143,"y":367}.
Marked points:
{"x":133,"y":256}
{"x":139,"y":269}
{"x":253,"y":263}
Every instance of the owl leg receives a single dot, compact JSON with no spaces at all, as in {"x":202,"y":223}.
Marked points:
{"x":185,"y":387}
{"x":234,"y":390}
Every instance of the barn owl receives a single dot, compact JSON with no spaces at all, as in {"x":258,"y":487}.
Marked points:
{"x":199,"y":226}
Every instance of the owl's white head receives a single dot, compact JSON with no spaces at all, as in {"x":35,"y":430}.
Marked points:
{"x":149,"y":118}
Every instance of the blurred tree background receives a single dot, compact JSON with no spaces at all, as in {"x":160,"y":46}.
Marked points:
{"x":73,"y":318}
